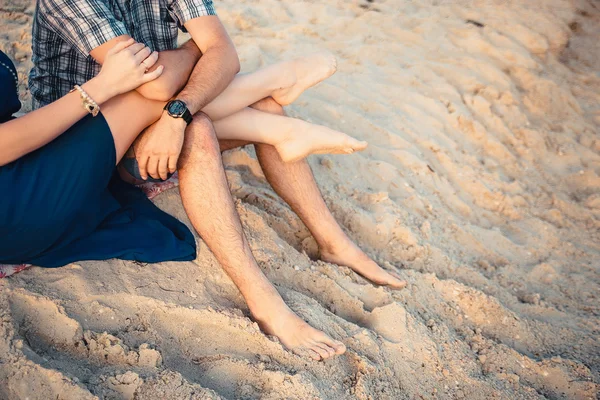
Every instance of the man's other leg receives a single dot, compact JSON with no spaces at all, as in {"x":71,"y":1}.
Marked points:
{"x":211,"y":209}
{"x":295,"y":183}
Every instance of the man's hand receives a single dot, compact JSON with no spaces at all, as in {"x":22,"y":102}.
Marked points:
{"x":157,"y":149}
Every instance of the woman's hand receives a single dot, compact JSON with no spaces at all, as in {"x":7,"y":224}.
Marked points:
{"x":126,"y":67}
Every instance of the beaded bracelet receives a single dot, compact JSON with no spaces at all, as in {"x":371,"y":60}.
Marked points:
{"x":88,"y":103}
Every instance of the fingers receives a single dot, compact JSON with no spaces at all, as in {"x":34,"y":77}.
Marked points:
{"x":149,"y":61}
{"x":120,"y":46}
{"x":172,"y":165}
{"x":152,"y":167}
{"x":136,"y":48}
{"x":142,"y":166}
{"x":141,"y":55}
{"x":163,"y":170}
{"x":150,"y":76}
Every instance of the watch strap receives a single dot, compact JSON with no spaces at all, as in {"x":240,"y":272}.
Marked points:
{"x":187,"y":116}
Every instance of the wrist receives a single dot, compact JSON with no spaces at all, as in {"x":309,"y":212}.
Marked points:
{"x":98,"y":91}
{"x":177,"y":122}
{"x":192,"y":49}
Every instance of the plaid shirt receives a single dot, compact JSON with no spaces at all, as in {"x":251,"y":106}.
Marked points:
{"x":66,"y":31}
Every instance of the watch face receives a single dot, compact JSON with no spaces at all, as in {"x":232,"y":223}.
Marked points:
{"x":176,"y":108}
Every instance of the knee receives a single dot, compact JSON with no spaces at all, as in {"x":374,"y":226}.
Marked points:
{"x":201,"y":133}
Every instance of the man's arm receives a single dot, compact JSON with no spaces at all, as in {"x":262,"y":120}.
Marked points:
{"x":178,"y":65}
{"x":217,"y":67}
{"x":158,"y":150}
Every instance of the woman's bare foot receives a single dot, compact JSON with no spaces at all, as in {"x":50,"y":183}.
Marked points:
{"x":307,"y":139}
{"x":305,"y":72}
{"x":296,"y":335}
{"x":349,"y":255}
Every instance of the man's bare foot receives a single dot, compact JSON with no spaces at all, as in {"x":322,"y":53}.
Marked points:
{"x":305,"y":72}
{"x":351,"y":256}
{"x":309,"y":139}
{"x":295,"y":334}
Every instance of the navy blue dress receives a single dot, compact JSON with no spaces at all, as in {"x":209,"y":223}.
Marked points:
{"x":64,"y":203}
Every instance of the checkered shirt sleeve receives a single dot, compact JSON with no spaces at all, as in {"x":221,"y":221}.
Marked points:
{"x":84,"y":24}
{"x":184,"y":10}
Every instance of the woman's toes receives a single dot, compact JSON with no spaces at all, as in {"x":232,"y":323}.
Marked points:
{"x":356,"y":145}
{"x":359,"y":145}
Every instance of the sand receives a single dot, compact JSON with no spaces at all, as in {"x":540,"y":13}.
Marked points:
{"x":480,"y":187}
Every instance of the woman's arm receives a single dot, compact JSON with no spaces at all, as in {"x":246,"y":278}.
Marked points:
{"x":34,"y":130}
{"x":178,"y":64}
{"x":124,"y":70}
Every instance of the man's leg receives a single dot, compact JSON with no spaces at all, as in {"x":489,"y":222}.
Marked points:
{"x":211,"y":209}
{"x":294,"y":183}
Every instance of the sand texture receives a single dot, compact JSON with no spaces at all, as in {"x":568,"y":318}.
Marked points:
{"x":481,"y":187}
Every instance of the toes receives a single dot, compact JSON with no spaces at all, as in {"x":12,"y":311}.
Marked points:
{"x":330,"y":351}
{"x":340,"y":348}
{"x":313,"y":354}
{"x":357,"y":145}
{"x":306,"y":352}
{"x":399,"y":285}
{"x":360,"y":145}
{"x":337,"y":346}
{"x":322,"y":351}
{"x":397,"y":282}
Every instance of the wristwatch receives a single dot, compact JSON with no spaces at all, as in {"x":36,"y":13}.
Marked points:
{"x":178,"y":109}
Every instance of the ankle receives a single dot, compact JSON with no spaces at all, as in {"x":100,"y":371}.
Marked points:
{"x":269,"y":311}
{"x":335,"y":247}
{"x":291,"y":129}
{"x":264,"y":303}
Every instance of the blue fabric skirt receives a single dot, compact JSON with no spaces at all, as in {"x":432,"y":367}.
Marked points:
{"x":64,"y":203}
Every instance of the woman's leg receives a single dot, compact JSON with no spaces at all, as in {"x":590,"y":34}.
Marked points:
{"x":129,"y":114}
{"x":294,"y":139}
{"x":284,"y":81}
